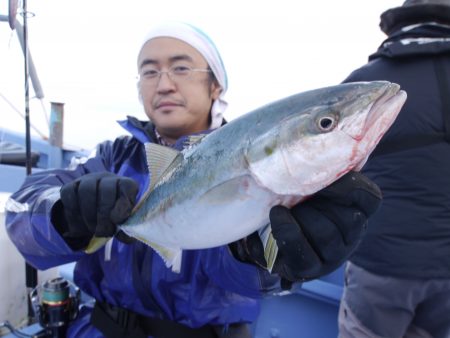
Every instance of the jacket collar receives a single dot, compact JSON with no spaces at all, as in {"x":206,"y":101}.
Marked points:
{"x":421,"y":39}
{"x":144,"y":131}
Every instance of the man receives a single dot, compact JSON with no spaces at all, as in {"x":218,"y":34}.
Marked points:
{"x":398,"y":280}
{"x":53,"y":217}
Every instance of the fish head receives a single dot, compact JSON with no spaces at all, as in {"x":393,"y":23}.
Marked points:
{"x":322,"y":134}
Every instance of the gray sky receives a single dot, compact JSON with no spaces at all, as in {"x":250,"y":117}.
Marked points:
{"x":85,"y":54}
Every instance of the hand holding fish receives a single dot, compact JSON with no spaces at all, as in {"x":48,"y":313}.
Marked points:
{"x":315,"y":237}
{"x":94,"y":205}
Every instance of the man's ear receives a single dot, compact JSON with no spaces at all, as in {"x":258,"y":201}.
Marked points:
{"x":216,"y":89}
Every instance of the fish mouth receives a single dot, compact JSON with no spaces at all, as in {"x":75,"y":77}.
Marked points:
{"x":386,"y":108}
{"x":381,"y":116}
{"x":381,"y":113}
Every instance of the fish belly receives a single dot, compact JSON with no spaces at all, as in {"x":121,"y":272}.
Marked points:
{"x":223,"y":214}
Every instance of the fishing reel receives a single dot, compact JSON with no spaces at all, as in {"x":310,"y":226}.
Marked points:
{"x":55,"y":303}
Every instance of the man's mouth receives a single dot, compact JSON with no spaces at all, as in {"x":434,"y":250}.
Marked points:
{"x":167,"y":104}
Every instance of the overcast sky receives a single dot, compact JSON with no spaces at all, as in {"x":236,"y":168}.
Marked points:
{"x":85,"y":54}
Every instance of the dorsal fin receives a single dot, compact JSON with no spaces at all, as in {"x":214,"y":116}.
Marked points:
{"x":159,"y":159}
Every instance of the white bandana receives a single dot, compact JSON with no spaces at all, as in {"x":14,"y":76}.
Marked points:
{"x":201,"y":42}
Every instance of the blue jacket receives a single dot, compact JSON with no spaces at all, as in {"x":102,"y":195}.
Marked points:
{"x":409,"y":236}
{"x":212,"y":287}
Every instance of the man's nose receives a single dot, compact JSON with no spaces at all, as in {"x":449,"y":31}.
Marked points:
{"x":165,"y":82}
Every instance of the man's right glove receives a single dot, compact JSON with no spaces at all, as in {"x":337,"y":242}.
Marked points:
{"x":93,"y":205}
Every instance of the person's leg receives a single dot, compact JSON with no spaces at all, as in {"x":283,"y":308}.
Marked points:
{"x":433,"y":313}
{"x":350,"y":326}
{"x":374,"y":306}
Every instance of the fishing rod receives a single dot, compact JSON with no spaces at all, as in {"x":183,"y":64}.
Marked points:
{"x":54,"y":303}
{"x":31,"y":276}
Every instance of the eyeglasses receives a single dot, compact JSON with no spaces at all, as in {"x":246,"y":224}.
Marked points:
{"x":177,"y":74}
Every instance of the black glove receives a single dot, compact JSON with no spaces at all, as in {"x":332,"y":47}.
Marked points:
{"x":316,"y":236}
{"x":93,"y":205}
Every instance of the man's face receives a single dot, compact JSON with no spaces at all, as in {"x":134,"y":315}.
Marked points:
{"x":177,"y":105}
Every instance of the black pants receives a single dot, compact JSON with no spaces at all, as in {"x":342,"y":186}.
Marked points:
{"x":116,"y":322}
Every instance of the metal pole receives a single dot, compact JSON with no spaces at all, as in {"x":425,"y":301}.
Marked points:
{"x":56,"y":124}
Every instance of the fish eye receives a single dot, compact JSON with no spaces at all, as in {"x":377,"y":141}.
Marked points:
{"x":326,"y":123}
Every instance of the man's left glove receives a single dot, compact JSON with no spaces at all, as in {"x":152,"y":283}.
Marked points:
{"x":316,"y":236}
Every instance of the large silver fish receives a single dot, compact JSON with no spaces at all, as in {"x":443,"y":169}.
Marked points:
{"x":222,"y":188}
